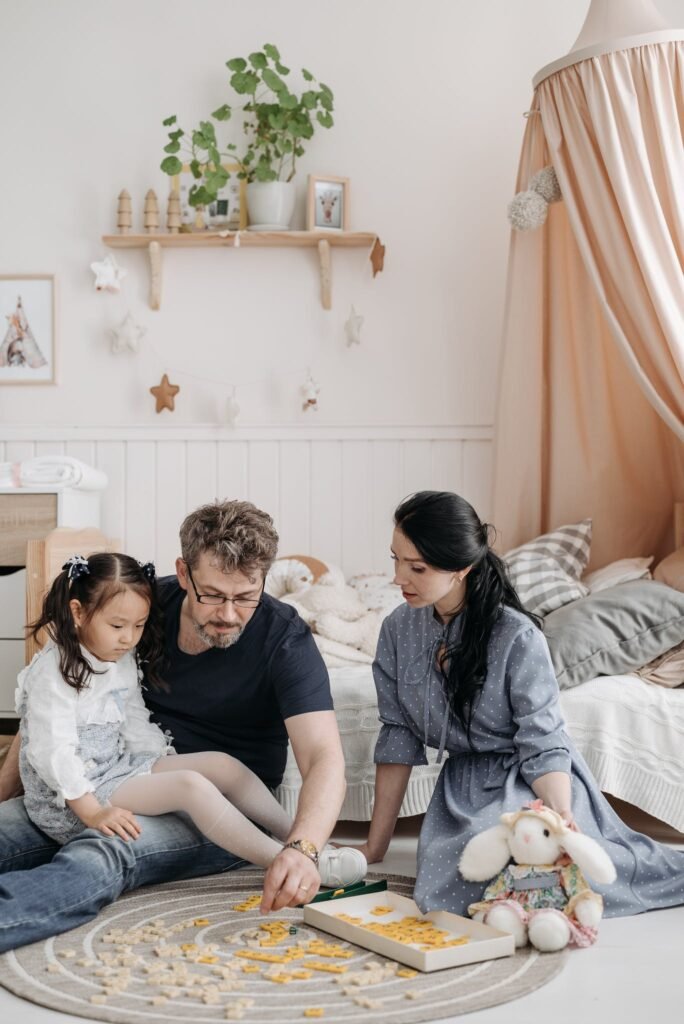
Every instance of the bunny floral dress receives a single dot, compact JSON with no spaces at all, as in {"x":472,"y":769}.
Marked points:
{"x":76,"y":742}
{"x":517,"y":735}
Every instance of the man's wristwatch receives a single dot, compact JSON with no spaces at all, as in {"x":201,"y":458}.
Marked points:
{"x":304,"y":846}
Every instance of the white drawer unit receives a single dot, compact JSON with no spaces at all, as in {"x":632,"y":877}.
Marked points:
{"x":12,"y":647}
{"x":29,"y":514}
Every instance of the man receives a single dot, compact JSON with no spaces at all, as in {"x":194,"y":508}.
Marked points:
{"x":244,"y":676}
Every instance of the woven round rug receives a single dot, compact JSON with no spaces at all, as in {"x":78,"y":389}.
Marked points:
{"x":170,"y":953}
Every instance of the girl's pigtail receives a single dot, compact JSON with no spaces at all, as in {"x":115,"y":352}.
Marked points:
{"x":58,"y":622}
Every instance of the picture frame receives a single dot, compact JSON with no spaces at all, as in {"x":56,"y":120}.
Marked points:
{"x":227,"y":213}
{"x":327,"y":207}
{"x":28,"y":329}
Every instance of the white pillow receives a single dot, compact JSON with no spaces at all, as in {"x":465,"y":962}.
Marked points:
{"x":622,"y":571}
{"x":377,"y":591}
{"x":546,"y":571}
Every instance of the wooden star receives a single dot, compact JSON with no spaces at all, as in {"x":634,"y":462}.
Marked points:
{"x":164,"y":394}
{"x":377,"y":256}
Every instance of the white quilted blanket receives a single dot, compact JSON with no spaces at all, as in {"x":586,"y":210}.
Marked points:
{"x":631,"y":734}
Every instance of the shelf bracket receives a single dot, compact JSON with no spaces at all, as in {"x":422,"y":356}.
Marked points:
{"x":326,"y":273}
{"x":154,"y":251}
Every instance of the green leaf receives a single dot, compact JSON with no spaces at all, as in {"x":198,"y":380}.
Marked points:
{"x":271,"y":51}
{"x":299,"y":151}
{"x":282,"y":70}
{"x":172,"y":147}
{"x":231,"y":146}
{"x":200,"y":196}
{"x":171,"y":165}
{"x":326,"y":89}
{"x":196,"y":169}
{"x":309,"y":99}
{"x":288,"y":101}
{"x":176,"y":135}
{"x":273,"y":81}
{"x":169,"y":120}
{"x":199,"y":140}
{"x":324,"y":119}
{"x":207,"y":129}
{"x":258,"y":60}
{"x":308,"y":77}
{"x":214,"y":155}
{"x":236,"y":64}
{"x":222,"y":113}
{"x":244,"y":82}
{"x":325,"y":101}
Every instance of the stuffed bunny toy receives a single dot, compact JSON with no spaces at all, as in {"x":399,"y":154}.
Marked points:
{"x":542,"y":897}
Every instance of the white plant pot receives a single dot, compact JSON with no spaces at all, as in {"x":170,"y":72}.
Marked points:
{"x":270,"y":205}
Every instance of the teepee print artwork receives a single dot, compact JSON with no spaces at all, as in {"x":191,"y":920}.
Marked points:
{"x":20,"y":348}
{"x":27,"y":329}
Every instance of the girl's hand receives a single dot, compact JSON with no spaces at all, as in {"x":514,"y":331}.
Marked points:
{"x":115,"y":821}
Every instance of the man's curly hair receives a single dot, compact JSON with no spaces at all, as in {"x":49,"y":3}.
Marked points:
{"x":235,"y":534}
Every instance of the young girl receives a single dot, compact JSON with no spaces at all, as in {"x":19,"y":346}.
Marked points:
{"x":90,"y":756}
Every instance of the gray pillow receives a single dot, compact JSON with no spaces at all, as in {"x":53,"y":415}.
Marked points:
{"x":613,"y":631}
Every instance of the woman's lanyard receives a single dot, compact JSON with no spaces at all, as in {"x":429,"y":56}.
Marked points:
{"x":437,"y":643}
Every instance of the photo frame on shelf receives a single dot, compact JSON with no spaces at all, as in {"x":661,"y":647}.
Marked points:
{"x":327,"y":207}
{"x":28,"y":329}
{"x":227,"y":213}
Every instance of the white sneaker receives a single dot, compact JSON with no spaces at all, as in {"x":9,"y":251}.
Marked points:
{"x":341,"y":866}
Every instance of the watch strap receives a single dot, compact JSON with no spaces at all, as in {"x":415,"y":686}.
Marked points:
{"x":304,"y":846}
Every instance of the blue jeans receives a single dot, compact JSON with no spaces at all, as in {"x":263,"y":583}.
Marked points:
{"x":46,"y":889}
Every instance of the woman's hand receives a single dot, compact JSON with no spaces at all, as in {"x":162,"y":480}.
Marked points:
{"x":115,"y":821}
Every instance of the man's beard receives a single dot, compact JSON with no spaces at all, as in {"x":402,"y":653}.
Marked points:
{"x":220,"y":640}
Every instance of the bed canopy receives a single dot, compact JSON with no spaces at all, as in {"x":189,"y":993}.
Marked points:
{"x":590,"y":415}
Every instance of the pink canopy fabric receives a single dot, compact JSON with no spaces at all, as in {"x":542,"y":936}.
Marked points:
{"x":590,"y":417}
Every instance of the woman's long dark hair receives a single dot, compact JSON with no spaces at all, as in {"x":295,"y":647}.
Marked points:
{"x":108,"y":574}
{"x":447,"y":534}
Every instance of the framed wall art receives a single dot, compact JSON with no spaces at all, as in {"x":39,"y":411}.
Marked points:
{"x":228,"y":212}
{"x":327,"y":208}
{"x":28,"y":343}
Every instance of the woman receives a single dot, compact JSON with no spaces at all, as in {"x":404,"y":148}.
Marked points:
{"x":464,"y":668}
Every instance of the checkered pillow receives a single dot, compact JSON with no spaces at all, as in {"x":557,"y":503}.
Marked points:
{"x":546,"y":571}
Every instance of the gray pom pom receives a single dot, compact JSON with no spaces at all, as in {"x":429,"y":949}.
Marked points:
{"x":546,"y":184}
{"x":527,"y":211}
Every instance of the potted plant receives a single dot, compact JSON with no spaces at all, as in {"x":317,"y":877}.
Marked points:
{"x":276,"y":123}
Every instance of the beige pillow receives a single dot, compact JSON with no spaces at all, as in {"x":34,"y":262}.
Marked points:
{"x":671,"y":570}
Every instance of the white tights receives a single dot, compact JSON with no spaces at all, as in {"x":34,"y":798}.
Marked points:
{"x":199,"y":784}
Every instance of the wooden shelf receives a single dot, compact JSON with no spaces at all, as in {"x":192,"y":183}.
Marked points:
{"x":321,"y":240}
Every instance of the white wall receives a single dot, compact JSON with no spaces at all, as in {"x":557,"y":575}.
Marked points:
{"x":429,"y":101}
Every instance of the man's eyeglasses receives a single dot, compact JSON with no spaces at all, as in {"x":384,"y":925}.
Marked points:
{"x":239,"y":602}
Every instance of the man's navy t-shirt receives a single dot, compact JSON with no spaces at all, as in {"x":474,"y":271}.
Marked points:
{"x":235,"y":699}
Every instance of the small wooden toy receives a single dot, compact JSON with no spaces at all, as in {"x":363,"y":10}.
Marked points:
{"x":173,"y":213}
{"x":124,"y":213}
{"x":151,"y":212}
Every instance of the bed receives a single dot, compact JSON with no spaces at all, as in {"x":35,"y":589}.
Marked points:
{"x":630,"y":732}
{"x":617,"y":642}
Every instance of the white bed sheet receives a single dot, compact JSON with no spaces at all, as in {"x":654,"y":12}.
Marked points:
{"x":630,"y":732}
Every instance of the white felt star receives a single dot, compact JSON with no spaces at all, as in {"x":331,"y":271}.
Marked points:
{"x":126,"y":337}
{"x":108,"y":275}
{"x":232,"y":410}
{"x":352,"y":328}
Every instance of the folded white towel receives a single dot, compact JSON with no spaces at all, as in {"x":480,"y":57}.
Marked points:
{"x":61,"y":471}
